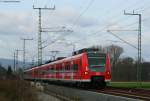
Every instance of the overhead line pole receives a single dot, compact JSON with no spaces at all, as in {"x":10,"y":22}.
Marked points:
{"x":17,"y":52}
{"x":39,"y":33}
{"x":24,"y":51}
{"x":139,"y":44}
{"x":14,"y":61}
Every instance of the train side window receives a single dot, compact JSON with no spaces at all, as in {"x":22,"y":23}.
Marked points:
{"x":63,"y":67}
{"x":52,"y":68}
{"x":75,"y":67}
{"x":57,"y":68}
{"x":68,"y":67}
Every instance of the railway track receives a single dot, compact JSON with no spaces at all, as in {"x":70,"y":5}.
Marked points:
{"x":141,"y":94}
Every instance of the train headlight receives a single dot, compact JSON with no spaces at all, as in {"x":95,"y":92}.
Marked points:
{"x":107,"y":73}
{"x":85,"y":73}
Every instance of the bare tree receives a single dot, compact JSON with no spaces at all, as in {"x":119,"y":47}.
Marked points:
{"x":114,"y":51}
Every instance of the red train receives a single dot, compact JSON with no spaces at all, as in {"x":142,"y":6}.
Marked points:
{"x":84,"y":67}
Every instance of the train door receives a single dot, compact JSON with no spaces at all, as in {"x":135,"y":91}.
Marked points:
{"x":75,"y":69}
{"x":55,"y":70}
{"x":63,"y":71}
{"x":108,"y":69}
{"x":71,"y":70}
{"x":33,"y":74}
{"x":80,"y":68}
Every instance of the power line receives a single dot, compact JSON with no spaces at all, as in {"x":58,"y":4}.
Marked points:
{"x":118,"y":14}
{"x":106,"y":26}
{"x":77,"y":19}
{"x":115,"y":17}
{"x":121,"y":39}
{"x":88,"y":6}
{"x":145,"y":19}
{"x":54,"y":53}
{"x":59,"y":38}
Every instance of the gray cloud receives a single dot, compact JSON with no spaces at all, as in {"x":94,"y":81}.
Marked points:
{"x":15,"y":25}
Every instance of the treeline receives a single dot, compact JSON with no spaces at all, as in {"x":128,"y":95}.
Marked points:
{"x":6,"y":73}
{"x":126,"y":69}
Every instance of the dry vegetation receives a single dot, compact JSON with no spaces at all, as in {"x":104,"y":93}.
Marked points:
{"x":16,"y":90}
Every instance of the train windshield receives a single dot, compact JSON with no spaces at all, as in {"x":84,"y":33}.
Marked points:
{"x":96,"y":61}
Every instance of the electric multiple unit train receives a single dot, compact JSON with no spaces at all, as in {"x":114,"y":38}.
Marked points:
{"x":87,"y":67}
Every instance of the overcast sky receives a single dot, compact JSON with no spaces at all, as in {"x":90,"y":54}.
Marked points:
{"x":89,"y":20}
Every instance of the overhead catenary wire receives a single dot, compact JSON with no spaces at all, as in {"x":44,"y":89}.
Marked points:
{"x":95,"y":32}
{"x":122,"y":39}
{"x":115,"y":16}
{"x":84,"y":12}
{"x":116,"y":20}
{"x":77,"y":19}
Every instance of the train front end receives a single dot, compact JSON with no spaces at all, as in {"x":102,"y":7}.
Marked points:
{"x":97,"y":68}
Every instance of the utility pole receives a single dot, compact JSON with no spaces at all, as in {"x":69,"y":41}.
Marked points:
{"x":39,"y":33}
{"x":24,"y":50}
{"x":139,"y":44}
{"x":17,"y":52}
{"x":33,"y":61}
{"x":14,"y":61}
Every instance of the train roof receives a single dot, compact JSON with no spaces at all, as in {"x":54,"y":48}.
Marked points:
{"x":88,"y":50}
{"x":54,"y":62}
{"x":79,"y":54}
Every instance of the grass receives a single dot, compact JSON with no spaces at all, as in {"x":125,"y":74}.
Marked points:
{"x":13,"y":90}
{"x":130,"y":84}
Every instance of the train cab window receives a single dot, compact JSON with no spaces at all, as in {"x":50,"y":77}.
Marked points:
{"x":75,"y":67}
{"x":97,"y":62}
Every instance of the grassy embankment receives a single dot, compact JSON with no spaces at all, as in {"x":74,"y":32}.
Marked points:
{"x":130,"y":84}
{"x":13,"y":90}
